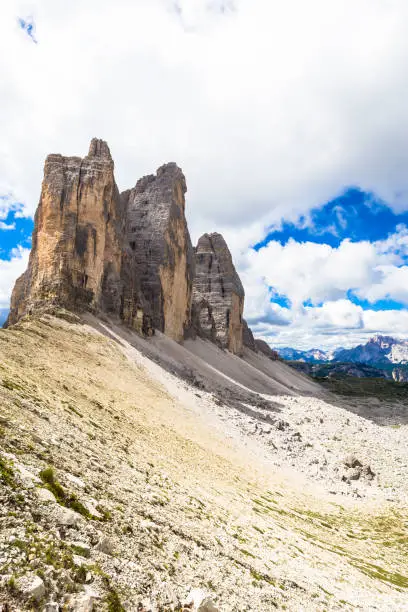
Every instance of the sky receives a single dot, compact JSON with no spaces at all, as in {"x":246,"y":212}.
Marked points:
{"x":289,"y":120}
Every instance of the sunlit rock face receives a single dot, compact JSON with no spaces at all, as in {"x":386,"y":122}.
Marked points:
{"x":76,"y":253}
{"x":218,"y":294}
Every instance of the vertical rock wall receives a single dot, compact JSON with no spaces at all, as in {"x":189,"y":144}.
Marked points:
{"x":76,"y":251}
{"x":218,"y":294}
{"x":128,"y":254}
{"x":159,"y":254}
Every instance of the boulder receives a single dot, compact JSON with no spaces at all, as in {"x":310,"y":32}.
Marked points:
{"x":351,"y":461}
{"x":31,"y":586}
{"x":44,"y":495}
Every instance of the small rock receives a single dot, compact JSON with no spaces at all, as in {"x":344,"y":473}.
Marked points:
{"x":51,"y":606}
{"x":105,"y":545}
{"x":149,"y":526}
{"x":281,"y":425}
{"x":84,"y":602}
{"x":195,"y":598}
{"x":75,"y":480}
{"x":81,"y":549}
{"x":28,"y":479}
{"x":354,"y":474}
{"x":207,"y":605}
{"x":44,"y":495}
{"x":31,"y":586}
{"x":91,"y":507}
{"x":67,"y":517}
{"x":367,"y":472}
{"x":351,"y":461}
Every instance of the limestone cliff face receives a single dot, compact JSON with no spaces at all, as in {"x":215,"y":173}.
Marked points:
{"x":159,"y":256}
{"x":248,"y":339}
{"x":76,"y":253}
{"x":129,"y":254}
{"x":218,"y":294}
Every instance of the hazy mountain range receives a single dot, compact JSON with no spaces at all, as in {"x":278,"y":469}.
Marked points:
{"x":378,"y":350}
{"x":381,"y":356}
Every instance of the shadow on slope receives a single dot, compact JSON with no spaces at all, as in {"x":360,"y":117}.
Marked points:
{"x":207,"y":369}
{"x":379,"y":400}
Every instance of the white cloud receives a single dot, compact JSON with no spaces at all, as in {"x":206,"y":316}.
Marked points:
{"x":9,"y":271}
{"x":271,"y":108}
{"x":321,"y":277}
{"x":268,"y":106}
{"x":335,"y":324}
{"x":7,"y":226}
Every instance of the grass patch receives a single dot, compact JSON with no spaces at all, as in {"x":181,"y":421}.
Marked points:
{"x":11,"y":385}
{"x":6,"y":473}
{"x":75,"y":411}
{"x":64,"y":498}
{"x":379,"y":573}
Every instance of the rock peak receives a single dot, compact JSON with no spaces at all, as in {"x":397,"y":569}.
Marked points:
{"x":99,"y":148}
{"x":129,"y":254}
{"x":218,"y":294}
{"x":160,"y":260}
{"x":76,"y":249}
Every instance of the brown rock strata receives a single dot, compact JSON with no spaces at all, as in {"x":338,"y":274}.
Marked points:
{"x":76,"y":251}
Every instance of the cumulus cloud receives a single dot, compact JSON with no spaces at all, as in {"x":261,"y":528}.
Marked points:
{"x":271,"y":108}
{"x":268,"y":106}
{"x":10,"y":269}
{"x":7,"y":226}
{"x":318,"y":280}
{"x":335,"y":324}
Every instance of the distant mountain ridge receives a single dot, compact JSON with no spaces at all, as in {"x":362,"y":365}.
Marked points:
{"x":379,"y":350}
{"x":314,"y":355}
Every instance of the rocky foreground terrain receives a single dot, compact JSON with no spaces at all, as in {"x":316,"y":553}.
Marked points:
{"x":139,"y":474}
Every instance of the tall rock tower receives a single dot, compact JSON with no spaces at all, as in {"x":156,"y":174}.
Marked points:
{"x":218,"y":294}
{"x":159,"y":258}
{"x":76,"y":253}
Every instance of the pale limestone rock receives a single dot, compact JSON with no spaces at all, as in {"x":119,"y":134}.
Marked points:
{"x":207,"y":605}
{"x":66,"y":517}
{"x":75,"y":260}
{"x":105,"y":545}
{"x":31,"y":587}
{"x":45,"y":496}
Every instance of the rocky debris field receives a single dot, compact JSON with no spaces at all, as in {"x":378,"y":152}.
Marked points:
{"x":124,"y":487}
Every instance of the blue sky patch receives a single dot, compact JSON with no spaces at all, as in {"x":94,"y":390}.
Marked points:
{"x":385,"y":304}
{"x":28,"y":26}
{"x":355,"y":214}
{"x":19,"y":235}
